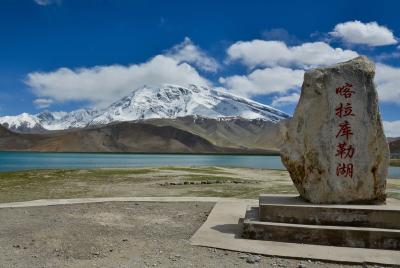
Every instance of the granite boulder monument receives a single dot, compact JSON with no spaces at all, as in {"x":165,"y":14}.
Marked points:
{"x":334,"y":146}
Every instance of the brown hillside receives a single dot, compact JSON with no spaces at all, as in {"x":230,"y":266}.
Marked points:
{"x":395,"y":147}
{"x":121,"y":137}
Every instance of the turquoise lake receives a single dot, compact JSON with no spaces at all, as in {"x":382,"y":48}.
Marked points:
{"x":13,"y":161}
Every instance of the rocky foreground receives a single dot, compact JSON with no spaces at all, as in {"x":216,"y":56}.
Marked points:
{"x":130,"y":234}
{"x":119,"y":235}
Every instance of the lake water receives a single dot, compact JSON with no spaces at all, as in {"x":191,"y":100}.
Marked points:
{"x":12,"y":161}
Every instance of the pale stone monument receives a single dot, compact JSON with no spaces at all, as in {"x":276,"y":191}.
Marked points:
{"x":334,"y":146}
{"x":336,"y":153}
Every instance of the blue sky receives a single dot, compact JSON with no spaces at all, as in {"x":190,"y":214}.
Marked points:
{"x":69,"y":54}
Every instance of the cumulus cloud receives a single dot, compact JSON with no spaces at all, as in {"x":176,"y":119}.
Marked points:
{"x":370,"y":34}
{"x":392,"y":128}
{"x":387,"y":79}
{"x":387,"y":56}
{"x":47,"y":2}
{"x":43,"y":103}
{"x":276,"y":53}
{"x":190,"y":53}
{"x":101,"y":85}
{"x":264,"y":81}
{"x":285,"y":100}
{"x":277,"y":68}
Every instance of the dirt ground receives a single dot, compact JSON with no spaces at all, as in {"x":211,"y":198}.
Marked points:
{"x":131,"y":234}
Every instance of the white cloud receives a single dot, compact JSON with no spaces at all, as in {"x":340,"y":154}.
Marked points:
{"x":276,"y":53}
{"x":47,"y":2}
{"x":284,"y":100}
{"x":387,"y":56}
{"x":371,"y":34}
{"x":190,"y":53}
{"x":43,"y":103}
{"x":101,"y":85}
{"x":388,"y":80}
{"x":264,"y":81}
{"x":392,"y":129}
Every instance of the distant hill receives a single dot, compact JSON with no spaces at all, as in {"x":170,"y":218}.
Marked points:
{"x":390,"y":139}
{"x":188,"y":134}
{"x":229,"y":132}
{"x":120,"y":137}
{"x":394,"y":147}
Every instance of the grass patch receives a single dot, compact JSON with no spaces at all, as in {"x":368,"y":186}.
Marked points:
{"x":393,"y":195}
{"x":62,"y":173}
{"x":40,"y":178}
{"x":66,"y":183}
{"x":195,"y":177}
{"x":78,"y":183}
{"x":395,"y":162}
{"x":111,"y":172}
{"x":212,"y":170}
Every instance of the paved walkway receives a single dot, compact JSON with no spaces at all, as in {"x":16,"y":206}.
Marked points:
{"x":53,"y":202}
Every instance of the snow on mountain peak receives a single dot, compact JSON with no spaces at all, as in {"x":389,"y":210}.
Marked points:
{"x":167,"y":101}
{"x":23,"y":122}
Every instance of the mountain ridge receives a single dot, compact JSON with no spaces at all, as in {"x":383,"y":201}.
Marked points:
{"x":167,"y":101}
{"x":129,"y":137}
{"x":233,"y":135}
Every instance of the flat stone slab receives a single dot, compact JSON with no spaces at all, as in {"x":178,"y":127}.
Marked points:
{"x":292,"y":209}
{"x":221,"y":230}
{"x":343,"y":236}
{"x":292,"y":199}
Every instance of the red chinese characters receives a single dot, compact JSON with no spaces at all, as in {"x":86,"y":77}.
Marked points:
{"x":345,"y":90}
{"x":344,"y":170}
{"x":344,"y":110}
{"x":345,"y":130}
{"x":344,"y":150}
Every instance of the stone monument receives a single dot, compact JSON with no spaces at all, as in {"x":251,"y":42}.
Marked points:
{"x":334,"y":146}
{"x":337,"y":155}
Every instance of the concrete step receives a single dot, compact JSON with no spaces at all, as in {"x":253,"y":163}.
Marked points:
{"x":291,"y":209}
{"x":360,"y":237}
{"x":252,"y":213}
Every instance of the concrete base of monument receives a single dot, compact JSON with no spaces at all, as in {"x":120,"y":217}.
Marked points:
{"x":230,"y":227}
{"x":289,"y":219}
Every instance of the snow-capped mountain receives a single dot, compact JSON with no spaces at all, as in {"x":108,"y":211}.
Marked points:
{"x":23,"y":122}
{"x":45,"y":121}
{"x":168,"y":101}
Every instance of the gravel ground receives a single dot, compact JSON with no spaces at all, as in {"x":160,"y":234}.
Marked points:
{"x":131,"y":234}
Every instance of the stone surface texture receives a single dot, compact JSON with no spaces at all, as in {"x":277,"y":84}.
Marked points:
{"x":328,"y":106}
